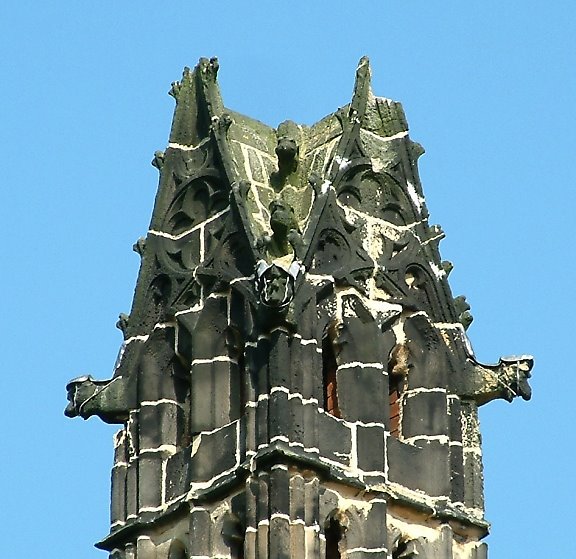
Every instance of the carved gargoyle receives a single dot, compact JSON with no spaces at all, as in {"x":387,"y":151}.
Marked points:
{"x":288,"y":152}
{"x":286,"y":239}
{"x":506,"y":380}
{"x":278,"y":269}
{"x":463,"y":311}
{"x":275,"y":284}
{"x":107,"y":399}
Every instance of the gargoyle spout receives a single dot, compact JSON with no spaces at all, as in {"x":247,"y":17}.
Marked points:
{"x":506,"y":380}
{"x":515,"y":372}
{"x":105,"y":398}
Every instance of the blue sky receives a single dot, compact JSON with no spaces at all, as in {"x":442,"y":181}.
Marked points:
{"x":489,"y":91}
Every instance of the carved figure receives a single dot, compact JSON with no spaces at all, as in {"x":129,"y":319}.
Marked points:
{"x":287,"y":151}
{"x":108,"y":399}
{"x":286,"y":239}
{"x":508,"y":379}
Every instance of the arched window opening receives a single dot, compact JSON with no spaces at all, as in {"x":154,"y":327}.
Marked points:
{"x":177,"y":550}
{"x":233,"y":535}
{"x":242,"y":379}
{"x":398,"y":553}
{"x":236,"y":350}
{"x":394,"y":410}
{"x":397,"y":370}
{"x":237,"y":549}
{"x":333,"y":533}
{"x":329,"y":379}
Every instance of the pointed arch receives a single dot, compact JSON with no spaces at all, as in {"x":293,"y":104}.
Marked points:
{"x":177,"y":550}
{"x":234,"y":535}
{"x":333,"y":534}
{"x":397,"y":371}
{"x":329,"y":376}
{"x":334,"y":530}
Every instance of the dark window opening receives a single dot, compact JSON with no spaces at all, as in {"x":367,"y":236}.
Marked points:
{"x":237,"y":549}
{"x":177,"y":551}
{"x":242,"y":379}
{"x":395,"y":412}
{"x":402,"y":548}
{"x":237,"y":371}
{"x":397,"y":370}
{"x":329,"y":380}
{"x":233,"y":535}
{"x":333,"y":534}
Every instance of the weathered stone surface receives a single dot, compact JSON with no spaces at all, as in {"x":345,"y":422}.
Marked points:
{"x":425,"y":414}
{"x":177,"y":475}
{"x":216,"y":453}
{"x":294,"y":364}
{"x":371,"y":451}
{"x":335,"y":439}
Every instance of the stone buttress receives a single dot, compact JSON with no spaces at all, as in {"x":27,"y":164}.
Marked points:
{"x":295,"y":379}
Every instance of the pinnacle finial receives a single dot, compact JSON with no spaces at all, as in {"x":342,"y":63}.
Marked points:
{"x":361,"y":88}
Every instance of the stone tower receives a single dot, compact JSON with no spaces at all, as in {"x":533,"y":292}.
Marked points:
{"x":295,"y":379}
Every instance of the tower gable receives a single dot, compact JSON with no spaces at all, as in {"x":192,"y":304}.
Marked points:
{"x":295,"y":378}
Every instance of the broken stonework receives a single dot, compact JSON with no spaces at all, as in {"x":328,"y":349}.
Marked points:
{"x":295,"y":378}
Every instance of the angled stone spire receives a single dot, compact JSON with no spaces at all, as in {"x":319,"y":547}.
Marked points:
{"x":295,"y":378}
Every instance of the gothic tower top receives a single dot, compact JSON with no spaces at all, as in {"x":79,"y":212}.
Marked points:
{"x":295,"y":378}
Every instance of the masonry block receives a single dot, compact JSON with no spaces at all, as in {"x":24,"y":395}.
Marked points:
{"x":278,"y":417}
{"x":160,"y":424}
{"x":211,"y":390}
{"x":297,"y":426}
{"x":374,"y":536}
{"x":335,"y":439}
{"x":370,"y":448}
{"x":200,"y":532}
{"x":177,"y":474}
{"x":473,"y":480}
{"x":455,"y":419}
{"x":216,"y":453}
{"x":150,"y":480}
{"x":132,"y":490}
{"x":118,"y":499}
{"x":297,"y":497}
{"x":457,"y":476}
{"x":280,"y":544}
{"x":425,"y":467}
{"x":279,"y":490}
{"x":361,"y":391}
{"x":424,"y":413}
{"x":263,"y":497}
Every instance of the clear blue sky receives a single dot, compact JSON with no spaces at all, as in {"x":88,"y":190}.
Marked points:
{"x":489,"y":89}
